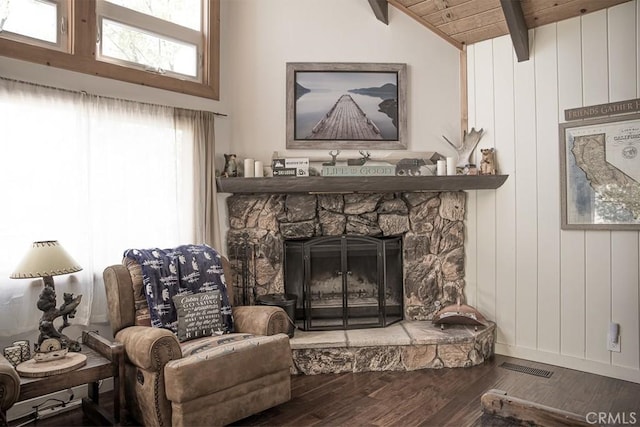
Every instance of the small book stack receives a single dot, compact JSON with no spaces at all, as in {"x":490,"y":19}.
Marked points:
{"x":290,"y":166}
{"x":365,"y":170}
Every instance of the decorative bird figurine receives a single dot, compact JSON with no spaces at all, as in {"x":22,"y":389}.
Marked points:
{"x":469,"y":142}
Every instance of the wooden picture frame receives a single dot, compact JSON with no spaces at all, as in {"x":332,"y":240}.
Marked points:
{"x":600,"y":173}
{"x":346,"y":106}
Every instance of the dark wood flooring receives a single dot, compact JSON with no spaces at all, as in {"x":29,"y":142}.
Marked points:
{"x":443,"y":397}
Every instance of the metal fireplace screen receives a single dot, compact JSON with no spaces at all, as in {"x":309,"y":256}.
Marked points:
{"x":345,"y":282}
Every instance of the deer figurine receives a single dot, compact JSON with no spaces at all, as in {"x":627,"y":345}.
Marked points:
{"x":333,"y":158}
{"x":361,"y":161}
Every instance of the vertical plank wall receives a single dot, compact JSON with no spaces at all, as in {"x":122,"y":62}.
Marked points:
{"x":552,"y":292}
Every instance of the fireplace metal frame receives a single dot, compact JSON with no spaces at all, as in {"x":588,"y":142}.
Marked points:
{"x":304,"y":310}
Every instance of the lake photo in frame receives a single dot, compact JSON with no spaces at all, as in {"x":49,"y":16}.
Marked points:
{"x":346,"y":106}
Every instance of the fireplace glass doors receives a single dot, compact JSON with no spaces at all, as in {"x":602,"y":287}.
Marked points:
{"x":345,"y":282}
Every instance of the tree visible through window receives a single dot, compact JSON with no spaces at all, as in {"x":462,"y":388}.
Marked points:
{"x":156,"y":35}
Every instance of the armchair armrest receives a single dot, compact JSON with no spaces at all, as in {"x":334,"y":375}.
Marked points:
{"x":108,"y":349}
{"x":260,"y":320}
{"x":149,"y":348}
{"x":9,"y":387}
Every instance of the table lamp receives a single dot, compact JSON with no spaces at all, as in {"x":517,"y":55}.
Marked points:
{"x":47,"y":259}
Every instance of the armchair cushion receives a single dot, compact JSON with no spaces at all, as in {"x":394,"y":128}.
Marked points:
{"x":231,"y":364}
{"x":186,"y":269}
{"x":210,"y":343}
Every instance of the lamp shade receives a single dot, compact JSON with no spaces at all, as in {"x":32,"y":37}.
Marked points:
{"x":46,"y":258}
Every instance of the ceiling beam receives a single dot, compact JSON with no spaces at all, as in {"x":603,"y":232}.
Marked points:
{"x":381,"y":10}
{"x":517,"y":27}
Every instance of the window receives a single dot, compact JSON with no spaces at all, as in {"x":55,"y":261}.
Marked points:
{"x":161,"y":36}
{"x":168,"y":44}
{"x":100,"y":175}
{"x":37,"y":22}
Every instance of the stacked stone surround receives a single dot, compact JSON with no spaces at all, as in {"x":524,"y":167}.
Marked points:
{"x":432,"y":230}
{"x":430,"y":223}
{"x":405,"y":346}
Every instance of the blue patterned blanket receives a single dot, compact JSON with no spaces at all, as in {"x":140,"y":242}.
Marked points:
{"x":184,"y":270}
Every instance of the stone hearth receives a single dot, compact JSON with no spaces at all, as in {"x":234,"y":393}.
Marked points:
{"x":404,"y":346}
{"x":431,"y":225}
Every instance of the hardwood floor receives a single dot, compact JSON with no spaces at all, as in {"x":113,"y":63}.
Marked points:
{"x":443,"y":397}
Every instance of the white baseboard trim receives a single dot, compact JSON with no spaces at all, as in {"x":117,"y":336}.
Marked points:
{"x":24,"y":408}
{"x":569,"y":362}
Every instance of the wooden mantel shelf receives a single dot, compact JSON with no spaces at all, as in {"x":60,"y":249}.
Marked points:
{"x":360,"y":184}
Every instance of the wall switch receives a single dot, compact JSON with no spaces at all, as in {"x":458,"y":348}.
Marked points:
{"x":613,"y":337}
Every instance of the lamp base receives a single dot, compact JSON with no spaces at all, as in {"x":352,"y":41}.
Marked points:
{"x":47,"y":304}
{"x":50,"y":349}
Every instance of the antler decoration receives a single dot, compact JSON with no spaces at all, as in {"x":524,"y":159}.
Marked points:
{"x":469,"y":142}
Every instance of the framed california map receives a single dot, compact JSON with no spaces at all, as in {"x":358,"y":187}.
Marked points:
{"x":600,"y":173}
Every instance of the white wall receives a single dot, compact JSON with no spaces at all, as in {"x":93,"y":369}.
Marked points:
{"x":262,"y":36}
{"x":552,"y":292}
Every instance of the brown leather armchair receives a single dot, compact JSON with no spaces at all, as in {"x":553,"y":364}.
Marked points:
{"x":9,"y":388}
{"x":207,"y":381}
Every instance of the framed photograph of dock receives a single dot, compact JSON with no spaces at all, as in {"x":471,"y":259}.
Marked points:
{"x":346,"y":106}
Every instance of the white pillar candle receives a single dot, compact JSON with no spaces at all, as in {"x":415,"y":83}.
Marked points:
{"x":259,"y":172}
{"x":249,"y":168}
{"x":451,"y":166}
{"x":441,"y":168}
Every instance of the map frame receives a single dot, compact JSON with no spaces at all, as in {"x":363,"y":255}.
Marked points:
{"x":600,"y":189}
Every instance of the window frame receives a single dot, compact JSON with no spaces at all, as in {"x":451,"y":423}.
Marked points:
{"x":63,"y":43}
{"x":82,"y":29}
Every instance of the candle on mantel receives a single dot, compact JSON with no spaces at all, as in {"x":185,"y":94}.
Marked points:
{"x":249,"y":168}
{"x":451,"y":166}
{"x":259,"y":169}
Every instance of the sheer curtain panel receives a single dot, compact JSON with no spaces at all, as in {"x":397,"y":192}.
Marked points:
{"x":98,"y":174}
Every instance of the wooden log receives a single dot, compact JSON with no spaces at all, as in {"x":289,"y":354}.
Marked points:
{"x":497,"y":403}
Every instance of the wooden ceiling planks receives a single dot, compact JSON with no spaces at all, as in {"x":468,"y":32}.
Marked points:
{"x":542,"y":12}
{"x":460,"y":11}
{"x":471,"y":21}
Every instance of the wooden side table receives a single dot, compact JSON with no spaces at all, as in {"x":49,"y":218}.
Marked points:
{"x":105,"y":359}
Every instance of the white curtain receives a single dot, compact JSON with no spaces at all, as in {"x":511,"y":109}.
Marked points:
{"x":97,"y":174}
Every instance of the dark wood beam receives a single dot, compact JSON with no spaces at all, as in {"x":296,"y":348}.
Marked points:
{"x":517,"y":27}
{"x":381,"y":10}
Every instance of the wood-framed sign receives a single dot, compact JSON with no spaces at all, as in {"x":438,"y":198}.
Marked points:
{"x":346,"y":106}
{"x":600,"y":173}
{"x":601,"y":110}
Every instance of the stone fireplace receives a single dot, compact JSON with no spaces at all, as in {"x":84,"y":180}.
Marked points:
{"x":430,"y":224}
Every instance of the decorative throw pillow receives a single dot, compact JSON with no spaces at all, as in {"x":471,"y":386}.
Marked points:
{"x":198,"y":315}
{"x":459,"y":314}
